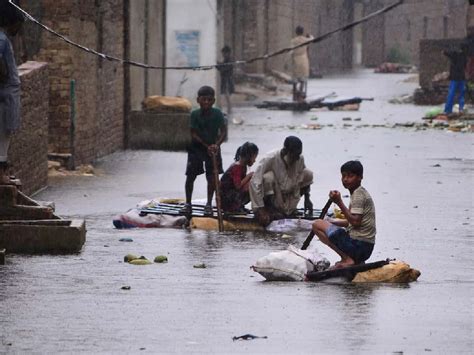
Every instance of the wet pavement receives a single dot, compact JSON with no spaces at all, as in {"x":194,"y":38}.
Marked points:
{"x":421,"y":182}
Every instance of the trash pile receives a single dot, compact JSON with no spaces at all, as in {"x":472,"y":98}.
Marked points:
{"x":454,"y":122}
{"x":397,"y":68}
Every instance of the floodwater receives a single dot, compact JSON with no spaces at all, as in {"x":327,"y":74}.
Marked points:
{"x":421,"y":182}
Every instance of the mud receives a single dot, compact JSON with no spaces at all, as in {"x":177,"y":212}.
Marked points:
{"x":421,"y":182}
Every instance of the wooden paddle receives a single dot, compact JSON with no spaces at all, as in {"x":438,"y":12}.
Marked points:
{"x":218,"y":192}
{"x":310,"y":236}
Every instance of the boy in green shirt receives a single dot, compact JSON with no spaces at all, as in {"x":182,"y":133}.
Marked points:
{"x":207,"y":134}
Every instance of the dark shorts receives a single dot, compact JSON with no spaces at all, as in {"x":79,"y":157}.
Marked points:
{"x":358,"y":250}
{"x":198,"y":159}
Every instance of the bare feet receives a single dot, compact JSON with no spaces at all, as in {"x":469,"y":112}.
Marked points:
{"x":343,"y":263}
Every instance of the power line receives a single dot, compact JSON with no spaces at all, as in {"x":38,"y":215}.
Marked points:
{"x":212,"y":66}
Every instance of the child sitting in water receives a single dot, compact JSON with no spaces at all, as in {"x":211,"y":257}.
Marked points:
{"x":235,"y":181}
{"x":355,"y":242}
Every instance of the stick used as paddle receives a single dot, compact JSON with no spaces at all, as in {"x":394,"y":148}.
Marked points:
{"x":218,"y":192}
{"x":310,"y":236}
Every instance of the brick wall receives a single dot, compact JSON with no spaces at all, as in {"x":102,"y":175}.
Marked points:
{"x":99,"y":84}
{"x":406,"y":25}
{"x":257,"y":27}
{"x":28,"y":152}
{"x":335,"y":53}
{"x":432,"y":60}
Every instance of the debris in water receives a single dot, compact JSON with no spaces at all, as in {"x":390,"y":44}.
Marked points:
{"x":140,"y":261}
{"x":200,"y":266}
{"x":125,"y":240}
{"x":161,"y":259}
{"x":129,"y":257}
{"x":436,"y":166}
{"x":248,"y":337}
{"x":237,"y":120}
{"x":125,"y":288}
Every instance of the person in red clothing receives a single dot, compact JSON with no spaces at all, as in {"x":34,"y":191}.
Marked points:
{"x":235,"y":181}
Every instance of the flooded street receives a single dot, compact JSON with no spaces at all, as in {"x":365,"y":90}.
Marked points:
{"x":421,"y":182}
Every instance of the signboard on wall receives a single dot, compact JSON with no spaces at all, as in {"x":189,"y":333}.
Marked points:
{"x":186,"y":47}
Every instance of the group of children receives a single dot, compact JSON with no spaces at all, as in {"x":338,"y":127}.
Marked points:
{"x":352,"y":238}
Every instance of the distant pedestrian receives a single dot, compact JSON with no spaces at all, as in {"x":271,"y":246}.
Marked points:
{"x":235,"y":181}
{"x":227,"y":77}
{"x":11,"y":21}
{"x":300,"y":64}
{"x":207,"y":134}
{"x":457,"y":77}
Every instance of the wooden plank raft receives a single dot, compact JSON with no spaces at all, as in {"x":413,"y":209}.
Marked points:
{"x":346,"y":272}
{"x":308,"y":105}
{"x":174,"y":209}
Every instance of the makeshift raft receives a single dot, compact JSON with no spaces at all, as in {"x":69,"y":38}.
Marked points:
{"x":198,"y":220}
{"x":351,"y":104}
{"x":386,"y":271}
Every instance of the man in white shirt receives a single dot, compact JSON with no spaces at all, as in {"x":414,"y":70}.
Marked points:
{"x":279,"y":181}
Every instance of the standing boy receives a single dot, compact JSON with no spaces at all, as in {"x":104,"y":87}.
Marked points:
{"x":353,"y":238}
{"x":207,"y":134}
{"x":10,"y":23}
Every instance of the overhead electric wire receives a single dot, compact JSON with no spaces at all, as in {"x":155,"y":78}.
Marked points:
{"x":212,"y":66}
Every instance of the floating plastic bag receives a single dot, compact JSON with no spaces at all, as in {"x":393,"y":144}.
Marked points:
{"x":290,"y":265}
{"x":433,"y":112}
{"x":289,"y":225}
{"x":133,"y":219}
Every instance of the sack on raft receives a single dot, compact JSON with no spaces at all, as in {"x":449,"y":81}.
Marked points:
{"x":290,"y":265}
{"x":165,"y":104}
{"x":133,"y":219}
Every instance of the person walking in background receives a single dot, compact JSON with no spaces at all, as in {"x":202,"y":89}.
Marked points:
{"x":227,"y":77}
{"x":300,"y":64}
{"x":457,"y":77}
{"x":11,"y":21}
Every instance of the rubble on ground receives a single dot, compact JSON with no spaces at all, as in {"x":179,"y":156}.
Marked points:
{"x":398,"y":68}
{"x":56,"y":169}
{"x":403,"y":99}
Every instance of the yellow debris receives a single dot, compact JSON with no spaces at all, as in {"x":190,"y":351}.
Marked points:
{"x":158,"y":103}
{"x":394,"y":272}
{"x":140,"y":261}
{"x":207,"y":223}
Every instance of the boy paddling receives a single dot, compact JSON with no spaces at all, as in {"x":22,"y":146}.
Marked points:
{"x":207,"y":134}
{"x":352,"y":238}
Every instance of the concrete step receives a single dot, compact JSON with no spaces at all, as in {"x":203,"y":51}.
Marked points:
{"x":43,"y":236}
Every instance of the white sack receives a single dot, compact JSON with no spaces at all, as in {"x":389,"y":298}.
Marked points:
{"x":290,"y":265}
